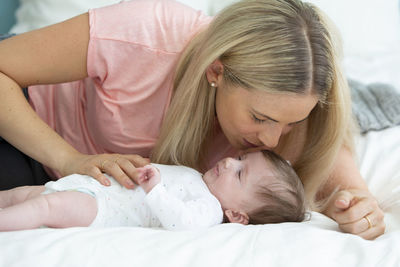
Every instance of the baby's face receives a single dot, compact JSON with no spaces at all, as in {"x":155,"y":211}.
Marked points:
{"x":233,"y":181}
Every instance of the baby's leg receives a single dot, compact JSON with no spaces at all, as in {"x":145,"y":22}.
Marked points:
{"x":19,"y":194}
{"x":57,"y":210}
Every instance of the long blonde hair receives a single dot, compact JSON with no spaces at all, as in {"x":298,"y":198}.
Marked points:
{"x":278,"y":46}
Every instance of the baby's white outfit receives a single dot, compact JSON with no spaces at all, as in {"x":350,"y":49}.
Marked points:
{"x":181,"y":201}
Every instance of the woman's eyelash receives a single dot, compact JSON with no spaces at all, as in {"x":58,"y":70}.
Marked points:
{"x":257,"y":120}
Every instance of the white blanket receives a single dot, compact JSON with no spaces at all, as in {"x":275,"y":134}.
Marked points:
{"x":317,"y":242}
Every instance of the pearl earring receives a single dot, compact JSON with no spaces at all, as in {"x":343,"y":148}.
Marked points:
{"x":213,"y":84}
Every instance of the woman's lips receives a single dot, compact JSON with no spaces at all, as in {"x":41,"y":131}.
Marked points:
{"x":248,"y":144}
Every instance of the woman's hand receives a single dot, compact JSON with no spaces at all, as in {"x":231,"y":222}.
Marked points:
{"x":357,"y":212}
{"x":121,"y":167}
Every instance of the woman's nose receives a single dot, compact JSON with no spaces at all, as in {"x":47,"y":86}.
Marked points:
{"x":270,"y":136}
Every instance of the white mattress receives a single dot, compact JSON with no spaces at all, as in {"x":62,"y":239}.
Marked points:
{"x":317,"y":242}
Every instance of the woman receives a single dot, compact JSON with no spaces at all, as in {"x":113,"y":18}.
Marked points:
{"x":157,"y":79}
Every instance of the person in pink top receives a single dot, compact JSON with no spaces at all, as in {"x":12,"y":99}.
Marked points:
{"x":149,"y":79}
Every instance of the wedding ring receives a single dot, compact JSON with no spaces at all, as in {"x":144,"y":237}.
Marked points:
{"x":116,"y":160}
{"x":369,"y":222}
{"x":102,"y":165}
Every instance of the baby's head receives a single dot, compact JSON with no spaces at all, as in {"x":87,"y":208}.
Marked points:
{"x":257,"y":188}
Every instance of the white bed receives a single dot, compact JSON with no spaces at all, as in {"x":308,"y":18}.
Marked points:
{"x":317,"y":242}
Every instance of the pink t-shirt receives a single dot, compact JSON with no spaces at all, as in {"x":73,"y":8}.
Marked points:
{"x":133,"y":51}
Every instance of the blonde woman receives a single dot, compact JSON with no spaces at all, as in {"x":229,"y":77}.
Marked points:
{"x":156,"y":79}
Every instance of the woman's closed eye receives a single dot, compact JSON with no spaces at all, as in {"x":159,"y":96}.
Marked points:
{"x":257,"y":120}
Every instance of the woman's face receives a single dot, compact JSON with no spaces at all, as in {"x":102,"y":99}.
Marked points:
{"x":253,"y":120}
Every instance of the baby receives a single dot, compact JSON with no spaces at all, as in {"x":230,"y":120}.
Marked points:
{"x":255,"y":188}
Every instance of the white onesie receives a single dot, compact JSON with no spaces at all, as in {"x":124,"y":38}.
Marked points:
{"x":181,"y":201}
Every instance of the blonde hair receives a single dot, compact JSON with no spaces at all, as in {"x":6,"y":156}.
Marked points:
{"x":278,"y":46}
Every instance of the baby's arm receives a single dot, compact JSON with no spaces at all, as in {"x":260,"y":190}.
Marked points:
{"x":149,"y":176}
{"x":57,"y":210}
{"x":174,"y":213}
{"x":188,"y":214}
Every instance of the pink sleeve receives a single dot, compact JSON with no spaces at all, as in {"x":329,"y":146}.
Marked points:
{"x":131,"y":31}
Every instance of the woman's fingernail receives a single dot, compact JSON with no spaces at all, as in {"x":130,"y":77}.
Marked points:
{"x":130,"y":183}
{"x":107,"y":182}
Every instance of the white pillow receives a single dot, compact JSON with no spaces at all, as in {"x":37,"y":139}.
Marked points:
{"x":34,"y":14}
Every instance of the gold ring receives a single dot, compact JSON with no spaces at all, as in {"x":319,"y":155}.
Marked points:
{"x":369,"y":222}
{"x":116,"y":160}
{"x":102,"y":165}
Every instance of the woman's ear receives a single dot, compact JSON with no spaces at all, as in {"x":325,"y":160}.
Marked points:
{"x":215,"y":72}
{"x":237,"y":217}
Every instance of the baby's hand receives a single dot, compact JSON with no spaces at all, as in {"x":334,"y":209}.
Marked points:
{"x":149,"y":176}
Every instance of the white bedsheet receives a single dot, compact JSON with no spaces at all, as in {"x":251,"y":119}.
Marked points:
{"x":314,"y":243}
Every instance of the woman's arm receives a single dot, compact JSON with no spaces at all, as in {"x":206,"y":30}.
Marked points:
{"x":345,"y":174}
{"x":50,"y":55}
{"x":23,"y":128}
{"x":54,"y":54}
{"x":353,"y":201}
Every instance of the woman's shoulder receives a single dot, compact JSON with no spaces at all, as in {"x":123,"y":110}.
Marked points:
{"x":163,"y":25}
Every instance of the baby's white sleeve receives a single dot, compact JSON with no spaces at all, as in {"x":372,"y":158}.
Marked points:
{"x":176,"y":214}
